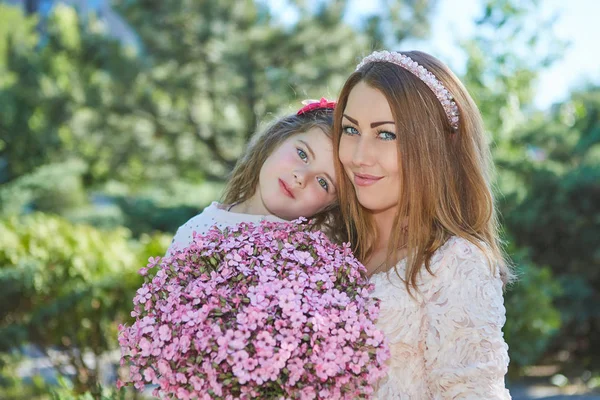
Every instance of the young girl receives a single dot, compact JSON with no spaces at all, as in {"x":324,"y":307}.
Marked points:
{"x":287,"y":172}
{"x":414,"y":190}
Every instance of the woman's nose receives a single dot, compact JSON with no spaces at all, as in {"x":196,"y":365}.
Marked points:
{"x":364,"y":153}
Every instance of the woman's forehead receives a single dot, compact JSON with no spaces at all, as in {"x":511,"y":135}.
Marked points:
{"x":367,"y":104}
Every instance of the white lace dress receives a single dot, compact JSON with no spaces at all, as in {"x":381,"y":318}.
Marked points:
{"x":448,"y":343}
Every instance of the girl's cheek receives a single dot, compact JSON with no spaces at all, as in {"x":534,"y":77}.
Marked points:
{"x":287,"y":159}
{"x":293,"y":157}
{"x":320,"y":195}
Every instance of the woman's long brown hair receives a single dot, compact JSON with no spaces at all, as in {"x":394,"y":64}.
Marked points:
{"x":445,"y":175}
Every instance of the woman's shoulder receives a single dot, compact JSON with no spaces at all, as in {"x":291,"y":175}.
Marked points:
{"x":461,"y":256}
{"x":462,"y":247}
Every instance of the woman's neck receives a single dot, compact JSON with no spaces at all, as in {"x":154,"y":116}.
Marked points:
{"x":384,"y":225}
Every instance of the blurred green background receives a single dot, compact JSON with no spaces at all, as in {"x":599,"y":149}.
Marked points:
{"x":119,"y":123}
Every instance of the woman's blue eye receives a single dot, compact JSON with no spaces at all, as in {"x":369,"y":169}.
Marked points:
{"x":349,"y":130}
{"x":323,"y":184}
{"x":385,"y":135}
{"x":302,"y":154}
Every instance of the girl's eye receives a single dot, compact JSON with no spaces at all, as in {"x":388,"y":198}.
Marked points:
{"x":302,"y":154}
{"x":323,"y":184}
{"x":385,"y":135}
{"x":349,"y":130}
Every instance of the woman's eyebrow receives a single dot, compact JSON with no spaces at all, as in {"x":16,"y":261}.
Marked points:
{"x":355,"y":122}
{"x":376,"y":124}
{"x":373,"y":124}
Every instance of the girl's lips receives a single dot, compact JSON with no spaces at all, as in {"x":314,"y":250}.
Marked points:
{"x":285,"y":189}
{"x":365,"y":180}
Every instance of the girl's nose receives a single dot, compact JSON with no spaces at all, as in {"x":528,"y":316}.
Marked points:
{"x":300,"y":177}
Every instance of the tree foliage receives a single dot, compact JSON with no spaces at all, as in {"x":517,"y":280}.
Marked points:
{"x":559,"y":217}
{"x":548,"y":167}
{"x":65,"y":288}
{"x":102,"y":144}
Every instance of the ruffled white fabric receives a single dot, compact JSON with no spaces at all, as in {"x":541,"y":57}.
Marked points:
{"x":447,"y":343}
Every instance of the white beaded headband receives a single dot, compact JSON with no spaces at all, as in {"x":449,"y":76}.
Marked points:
{"x":440,"y":91}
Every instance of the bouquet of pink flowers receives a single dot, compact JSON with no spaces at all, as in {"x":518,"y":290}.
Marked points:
{"x":269,"y":311}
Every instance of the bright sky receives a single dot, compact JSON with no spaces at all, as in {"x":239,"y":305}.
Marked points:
{"x":453,"y":21}
{"x":577,"y":23}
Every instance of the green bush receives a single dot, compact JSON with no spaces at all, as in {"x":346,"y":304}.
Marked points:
{"x":164,"y":208}
{"x":557,"y":218}
{"x":67,"y":287}
{"x":65,"y":392}
{"x":53,"y":188}
{"x":532,"y":319}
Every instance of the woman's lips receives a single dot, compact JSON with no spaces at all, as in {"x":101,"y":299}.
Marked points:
{"x":365,"y":180}
{"x":285,"y":189}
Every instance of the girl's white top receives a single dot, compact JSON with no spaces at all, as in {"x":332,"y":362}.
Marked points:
{"x":214,"y":214}
{"x":448,"y":342}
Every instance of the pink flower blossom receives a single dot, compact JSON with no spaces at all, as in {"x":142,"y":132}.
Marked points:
{"x":145,"y":347}
{"x":164,"y":332}
{"x":273,"y":310}
{"x":149,"y":375}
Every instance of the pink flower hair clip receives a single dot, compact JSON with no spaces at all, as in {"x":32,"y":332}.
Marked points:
{"x":311,"y":105}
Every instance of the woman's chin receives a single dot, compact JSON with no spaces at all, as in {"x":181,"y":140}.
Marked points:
{"x":376,"y":206}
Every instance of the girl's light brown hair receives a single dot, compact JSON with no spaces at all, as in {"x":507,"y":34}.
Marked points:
{"x":243,"y":180}
{"x":445,"y":175}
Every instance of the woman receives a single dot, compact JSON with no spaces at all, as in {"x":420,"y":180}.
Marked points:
{"x":415,"y":194}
